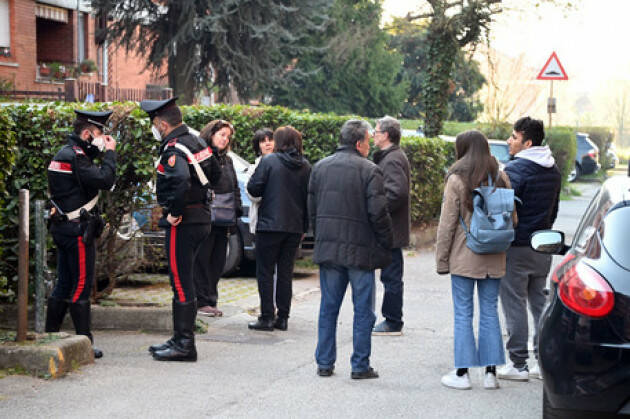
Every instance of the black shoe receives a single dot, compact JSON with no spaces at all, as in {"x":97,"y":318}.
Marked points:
{"x":161,"y":346}
{"x":370,"y":373}
{"x":97,"y":353}
{"x":261,"y":324}
{"x":325,"y":372}
{"x":281,"y":323}
{"x":386,"y":328}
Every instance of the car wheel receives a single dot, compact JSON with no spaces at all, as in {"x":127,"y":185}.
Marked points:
{"x":575,"y":173}
{"x":234,"y":255}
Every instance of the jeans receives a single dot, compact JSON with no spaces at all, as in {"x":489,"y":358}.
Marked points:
{"x":333,"y":281}
{"x":391,"y":277}
{"x":490,"y":349}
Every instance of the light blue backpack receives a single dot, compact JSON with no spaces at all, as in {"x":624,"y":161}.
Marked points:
{"x":491,"y":228}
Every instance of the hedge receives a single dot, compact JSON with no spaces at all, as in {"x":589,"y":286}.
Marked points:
{"x":563,"y":146}
{"x":38,"y":131}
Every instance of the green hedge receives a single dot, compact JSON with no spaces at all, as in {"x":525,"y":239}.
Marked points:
{"x":32,"y":134}
{"x":428,"y":158}
{"x":602,"y":137}
{"x":563,"y":146}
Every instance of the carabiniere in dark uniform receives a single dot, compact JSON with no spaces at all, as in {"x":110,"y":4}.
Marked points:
{"x":74,"y":182}
{"x":185,"y":172}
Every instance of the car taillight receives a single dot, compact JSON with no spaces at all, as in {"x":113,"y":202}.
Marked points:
{"x":584,"y":291}
{"x":593,"y":153}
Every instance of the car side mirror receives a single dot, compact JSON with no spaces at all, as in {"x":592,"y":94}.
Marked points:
{"x":550,"y":242}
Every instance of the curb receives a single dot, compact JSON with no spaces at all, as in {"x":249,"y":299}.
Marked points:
{"x":53,"y":359}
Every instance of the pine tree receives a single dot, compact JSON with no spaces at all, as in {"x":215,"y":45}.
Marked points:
{"x":244,"y":44}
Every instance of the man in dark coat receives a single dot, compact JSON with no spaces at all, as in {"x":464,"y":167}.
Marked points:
{"x":353,"y":237}
{"x":74,"y":182}
{"x":536,"y":181}
{"x":395,"y":166}
{"x":185,"y":172}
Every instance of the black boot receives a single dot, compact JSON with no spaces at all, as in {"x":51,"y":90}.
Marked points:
{"x":55,"y":313}
{"x":161,"y":346}
{"x":281,"y":323}
{"x":182,"y":346}
{"x":80,"y":313}
{"x":262,"y":324}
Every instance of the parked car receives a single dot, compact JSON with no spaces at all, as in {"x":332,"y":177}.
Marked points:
{"x":498,"y":148}
{"x":612,"y":158}
{"x":584,"y":339}
{"x":586,"y":157}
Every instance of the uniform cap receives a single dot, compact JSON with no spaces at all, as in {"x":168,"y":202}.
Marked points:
{"x":95,"y":118}
{"x":154,"y":107}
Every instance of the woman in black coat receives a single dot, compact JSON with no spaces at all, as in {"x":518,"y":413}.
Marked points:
{"x":211,"y":260}
{"x":281,"y":179}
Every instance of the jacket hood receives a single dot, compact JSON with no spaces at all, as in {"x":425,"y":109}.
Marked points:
{"x":539,"y":155}
{"x":291,"y":158}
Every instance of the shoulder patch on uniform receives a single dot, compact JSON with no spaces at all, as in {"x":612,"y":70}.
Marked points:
{"x":78,"y":150}
{"x":171,"y":160}
{"x":172,"y":142}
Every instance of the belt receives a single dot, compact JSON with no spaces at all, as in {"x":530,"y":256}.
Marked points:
{"x":73,"y":215}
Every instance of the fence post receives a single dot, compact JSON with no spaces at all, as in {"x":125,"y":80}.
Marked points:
{"x":40,"y":266}
{"x":22,"y":321}
{"x":72,"y":90}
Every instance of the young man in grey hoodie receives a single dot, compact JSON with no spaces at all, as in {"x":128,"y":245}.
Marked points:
{"x":536,"y":181}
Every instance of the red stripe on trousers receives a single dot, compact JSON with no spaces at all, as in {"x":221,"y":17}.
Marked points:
{"x":173,"y":260}
{"x":81,"y":283}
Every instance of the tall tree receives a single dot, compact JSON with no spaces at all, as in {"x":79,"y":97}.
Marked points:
{"x":453,"y":25}
{"x":349,"y":69}
{"x":410,"y":39}
{"x":243,"y":44}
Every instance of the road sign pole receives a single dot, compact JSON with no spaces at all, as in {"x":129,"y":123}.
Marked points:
{"x":549,"y":109}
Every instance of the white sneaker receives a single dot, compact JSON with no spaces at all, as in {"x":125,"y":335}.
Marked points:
{"x":453,"y":381}
{"x":509,"y":372}
{"x":535,"y":372}
{"x":490,"y":381}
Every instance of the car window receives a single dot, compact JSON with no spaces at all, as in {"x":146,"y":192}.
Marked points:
{"x":615,"y":230}
{"x":500,"y":151}
{"x":583,"y":233}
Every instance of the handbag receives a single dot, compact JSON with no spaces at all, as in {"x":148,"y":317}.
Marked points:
{"x":223,"y":210}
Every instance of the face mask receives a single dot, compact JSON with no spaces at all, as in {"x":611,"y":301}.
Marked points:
{"x":156,"y":133}
{"x":98,"y":142}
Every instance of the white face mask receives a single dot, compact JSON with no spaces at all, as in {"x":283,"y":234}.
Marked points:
{"x":156,"y":133}
{"x":98,"y":142}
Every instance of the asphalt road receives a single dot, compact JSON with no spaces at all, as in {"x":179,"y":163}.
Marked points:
{"x":241,"y":373}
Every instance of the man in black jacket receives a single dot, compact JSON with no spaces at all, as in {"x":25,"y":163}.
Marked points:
{"x":74,"y":181}
{"x":353,"y":237}
{"x":185,"y":172}
{"x":395,"y":166}
{"x":536,"y":180}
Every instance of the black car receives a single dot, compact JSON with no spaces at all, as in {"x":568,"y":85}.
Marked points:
{"x":586,"y":157}
{"x":584,"y":339}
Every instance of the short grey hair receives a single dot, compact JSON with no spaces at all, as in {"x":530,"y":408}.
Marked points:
{"x":391,"y":126}
{"x":353,"y":130}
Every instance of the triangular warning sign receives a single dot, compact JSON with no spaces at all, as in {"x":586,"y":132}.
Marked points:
{"x":553,"y":70}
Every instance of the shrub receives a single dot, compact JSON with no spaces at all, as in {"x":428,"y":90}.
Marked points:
{"x":428,"y":158}
{"x":602,"y":137}
{"x":561,"y":140}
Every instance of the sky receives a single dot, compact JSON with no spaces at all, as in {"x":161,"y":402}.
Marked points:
{"x":590,"y":41}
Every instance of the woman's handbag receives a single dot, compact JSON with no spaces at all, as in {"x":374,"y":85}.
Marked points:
{"x":223,"y":210}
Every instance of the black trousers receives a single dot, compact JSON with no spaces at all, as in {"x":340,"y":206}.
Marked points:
{"x":182,"y":246}
{"x":275,"y":249}
{"x":209,"y":265}
{"x":75,"y":267}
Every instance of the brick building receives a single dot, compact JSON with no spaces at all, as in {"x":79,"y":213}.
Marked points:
{"x":42,"y":41}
